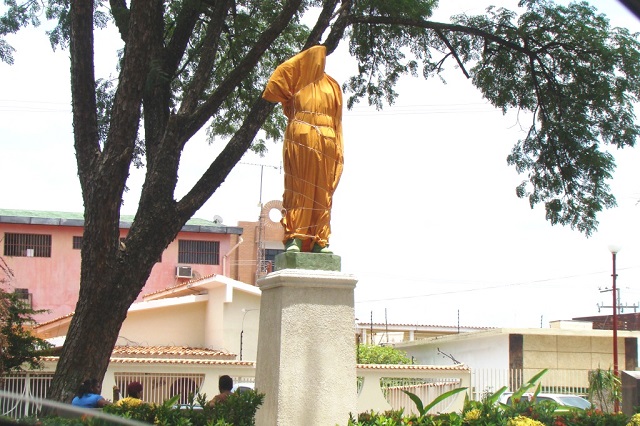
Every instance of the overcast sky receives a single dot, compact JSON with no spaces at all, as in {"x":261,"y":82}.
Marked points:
{"x":425,"y":216}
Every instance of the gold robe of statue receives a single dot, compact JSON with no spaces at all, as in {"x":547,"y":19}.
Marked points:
{"x":313,"y":150}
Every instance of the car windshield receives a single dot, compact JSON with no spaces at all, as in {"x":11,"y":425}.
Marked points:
{"x":574,"y":401}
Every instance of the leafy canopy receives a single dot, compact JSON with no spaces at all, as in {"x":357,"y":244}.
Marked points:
{"x":373,"y":354}
{"x":19,"y":347}
{"x":576,"y":76}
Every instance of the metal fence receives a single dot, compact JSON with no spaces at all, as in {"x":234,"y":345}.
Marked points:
{"x":427,"y":392}
{"x":159,"y":387}
{"x":27,"y":384}
{"x":485,"y":382}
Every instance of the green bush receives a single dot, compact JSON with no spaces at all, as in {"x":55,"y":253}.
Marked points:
{"x":238,"y":410}
{"x":522,"y":412}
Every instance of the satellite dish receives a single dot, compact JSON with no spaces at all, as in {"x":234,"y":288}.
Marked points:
{"x":217,"y":220}
{"x":272,"y":213}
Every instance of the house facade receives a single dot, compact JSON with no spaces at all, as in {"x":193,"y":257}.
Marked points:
{"x":261,"y":243}
{"x":42,"y":249}
{"x":569,"y":349}
{"x":386,"y":334}
{"x":211,"y":313}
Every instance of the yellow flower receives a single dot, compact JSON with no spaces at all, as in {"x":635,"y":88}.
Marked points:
{"x":472,"y":415}
{"x":523,"y":421}
{"x":635,"y":420}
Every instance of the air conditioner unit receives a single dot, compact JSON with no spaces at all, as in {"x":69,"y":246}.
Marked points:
{"x":184,"y":272}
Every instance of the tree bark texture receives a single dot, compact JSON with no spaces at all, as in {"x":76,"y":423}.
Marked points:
{"x":114,"y":273}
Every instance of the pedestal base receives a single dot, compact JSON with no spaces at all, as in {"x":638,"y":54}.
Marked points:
{"x":306,"y":348}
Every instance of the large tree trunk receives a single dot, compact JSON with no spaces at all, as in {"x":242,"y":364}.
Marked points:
{"x":112,"y":272}
{"x":109,"y":284}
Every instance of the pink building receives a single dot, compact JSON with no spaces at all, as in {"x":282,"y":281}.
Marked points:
{"x":42,"y":249}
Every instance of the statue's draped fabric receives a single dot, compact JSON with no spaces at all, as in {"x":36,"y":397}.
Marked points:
{"x":313,"y":149}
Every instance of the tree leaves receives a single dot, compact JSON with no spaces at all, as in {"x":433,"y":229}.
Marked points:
{"x":576,"y":76}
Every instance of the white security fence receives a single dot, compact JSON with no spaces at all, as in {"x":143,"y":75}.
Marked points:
{"x":488,"y":381}
{"x":29,"y":385}
{"x":380,"y":387}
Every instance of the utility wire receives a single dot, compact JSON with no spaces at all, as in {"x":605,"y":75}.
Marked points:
{"x":492,"y":287}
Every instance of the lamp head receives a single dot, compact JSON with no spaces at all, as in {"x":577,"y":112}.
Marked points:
{"x":614,"y":248}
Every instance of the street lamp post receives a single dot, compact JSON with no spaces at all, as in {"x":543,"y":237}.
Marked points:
{"x":614,"y":250}
{"x":242,"y":328}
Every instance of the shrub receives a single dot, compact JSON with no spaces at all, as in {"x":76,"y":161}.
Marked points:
{"x":239,"y":409}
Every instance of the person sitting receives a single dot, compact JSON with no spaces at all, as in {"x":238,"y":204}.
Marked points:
{"x":88,"y":395}
{"x":225,"y":384}
{"x":134,"y":395}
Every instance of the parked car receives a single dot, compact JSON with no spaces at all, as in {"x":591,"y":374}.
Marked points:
{"x":563,"y":400}
{"x":243,"y":387}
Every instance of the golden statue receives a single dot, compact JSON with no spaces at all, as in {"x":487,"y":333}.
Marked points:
{"x":312,"y":151}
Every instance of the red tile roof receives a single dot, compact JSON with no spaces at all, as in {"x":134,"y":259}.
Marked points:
{"x":169,"y":355}
{"x":457,"y":367}
{"x":185,"y":284}
{"x":170,"y":352}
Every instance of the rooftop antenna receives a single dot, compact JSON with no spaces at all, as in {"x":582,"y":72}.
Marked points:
{"x":619,"y":306}
{"x":386,"y":325}
{"x":261,"y":264}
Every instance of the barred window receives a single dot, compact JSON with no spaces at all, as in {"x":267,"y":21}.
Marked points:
{"x":199,"y":252}
{"x":23,"y":295}
{"x":270,"y":255}
{"x":77,"y":243}
{"x":27,"y":245}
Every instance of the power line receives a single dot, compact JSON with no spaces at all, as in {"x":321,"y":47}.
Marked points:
{"x":492,"y":287}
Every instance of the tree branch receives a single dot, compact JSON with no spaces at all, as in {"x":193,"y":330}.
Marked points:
{"x":339,"y":26}
{"x":453,"y":52}
{"x":185,"y":23}
{"x":430,"y":25}
{"x":207,"y":57}
{"x":193,"y":123}
{"x":83,"y":93}
{"x":121,"y":16}
{"x":226,"y":160}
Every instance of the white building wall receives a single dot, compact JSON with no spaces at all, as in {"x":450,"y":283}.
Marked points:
{"x":214,"y":319}
{"x":242,"y":316}
{"x":490,"y":352}
{"x":179,"y":325}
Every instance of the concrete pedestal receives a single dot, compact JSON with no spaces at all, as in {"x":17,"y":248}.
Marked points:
{"x":306,"y":348}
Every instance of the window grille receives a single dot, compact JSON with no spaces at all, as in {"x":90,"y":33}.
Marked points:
{"x":199,"y":252}
{"x":77,"y":243}
{"x":270,"y":255}
{"x":24,"y":296}
{"x":27,"y":245}
{"x":158,"y":387}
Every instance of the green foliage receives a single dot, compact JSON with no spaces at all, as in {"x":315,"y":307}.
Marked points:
{"x":425,"y":409}
{"x":488,"y":413}
{"x":238,"y":410}
{"x":195,"y":64}
{"x":604,"y":388}
{"x":18,"y":345}
{"x":579,"y":77}
{"x":373,"y":354}
{"x":564,"y":64}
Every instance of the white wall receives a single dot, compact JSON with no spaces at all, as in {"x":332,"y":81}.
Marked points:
{"x":224,"y":321}
{"x":179,"y":325}
{"x":489,"y":352}
{"x":236,"y":321}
